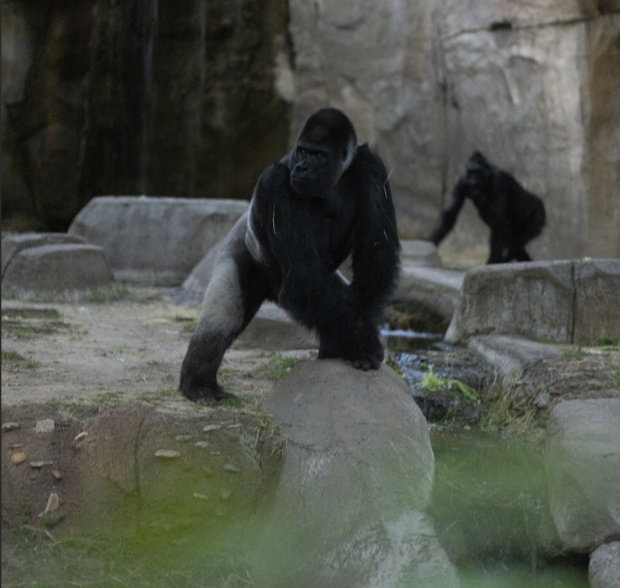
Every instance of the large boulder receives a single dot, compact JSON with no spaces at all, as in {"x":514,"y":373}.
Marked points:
{"x":582,"y":462}
{"x":561,"y":301}
{"x":179,"y":475}
{"x":357,"y":474}
{"x":155,"y":241}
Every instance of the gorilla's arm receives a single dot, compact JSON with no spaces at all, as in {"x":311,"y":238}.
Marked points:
{"x":292,"y":230}
{"x":375,"y":240}
{"x":449,"y":215}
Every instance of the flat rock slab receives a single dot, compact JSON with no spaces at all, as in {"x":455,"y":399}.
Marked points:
{"x":512,"y":356}
{"x":13,"y":244}
{"x":56,"y":268}
{"x":155,"y":241}
{"x":357,"y":472}
{"x":582,"y":462}
{"x":561,"y":301}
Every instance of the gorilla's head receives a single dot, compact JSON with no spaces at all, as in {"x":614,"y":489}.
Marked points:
{"x":324,"y":150}
{"x":479,"y":173}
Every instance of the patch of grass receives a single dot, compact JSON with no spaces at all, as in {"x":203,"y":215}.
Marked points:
{"x":614,"y":379}
{"x":504,"y":411}
{"x":189,"y":324}
{"x":432,"y":382}
{"x":278,"y":366}
{"x":109,"y":398}
{"x":573,"y":352}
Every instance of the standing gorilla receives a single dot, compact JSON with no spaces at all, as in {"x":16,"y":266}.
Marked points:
{"x":328,"y":198}
{"x":514,"y":215}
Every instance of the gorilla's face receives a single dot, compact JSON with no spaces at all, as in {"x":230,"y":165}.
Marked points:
{"x":315,"y":168}
{"x":478,"y":179}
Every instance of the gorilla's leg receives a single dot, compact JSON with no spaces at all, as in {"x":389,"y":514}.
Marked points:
{"x":233,"y":297}
{"x":520,"y":254}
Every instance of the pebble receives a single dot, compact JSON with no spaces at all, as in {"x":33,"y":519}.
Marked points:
{"x":9,"y":427}
{"x":57,"y":475}
{"x":53,"y":502}
{"x":183,"y":438}
{"x":167,"y":453}
{"x":229,"y":467}
{"x":40,"y":464}
{"x":201,"y":496}
{"x":45,"y":426}
{"x":81,"y":436}
{"x":201,"y":444}
{"x":18,"y":458}
{"x":208,"y":428}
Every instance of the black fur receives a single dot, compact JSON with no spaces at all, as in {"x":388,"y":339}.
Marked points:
{"x":328,"y":198}
{"x":514,"y":215}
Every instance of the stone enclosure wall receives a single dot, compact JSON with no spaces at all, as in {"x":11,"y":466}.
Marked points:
{"x":193,"y":99}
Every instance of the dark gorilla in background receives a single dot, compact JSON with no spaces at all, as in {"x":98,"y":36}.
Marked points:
{"x":326,"y":199}
{"x":514,"y":215}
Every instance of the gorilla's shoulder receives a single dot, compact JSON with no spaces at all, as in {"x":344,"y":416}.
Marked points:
{"x":367,"y":161}
{"x":274,"y":176}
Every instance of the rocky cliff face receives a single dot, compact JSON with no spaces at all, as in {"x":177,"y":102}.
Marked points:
{"x":140,"y":97}
{"x":535,"y":86}
{"x":195,"y":98}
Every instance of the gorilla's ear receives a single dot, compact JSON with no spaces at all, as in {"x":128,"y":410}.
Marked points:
{"x":349,"y":152}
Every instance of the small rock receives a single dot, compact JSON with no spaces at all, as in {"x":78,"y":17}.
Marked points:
{"x":183,"y":438}
{"x":201,"y":496}
{"x":236,"y":426}
{"x":229,"y":467}
{"x":208,"y":428}
{"x":167,"y":453}
{"x":81,"y":436}
{"x":9,"y":427}
{"x":201,"y":444}
{"x":40,"y":464}
{"x":18,"y":458}
{"x":57,"y":475}
{"x":45,"y":426}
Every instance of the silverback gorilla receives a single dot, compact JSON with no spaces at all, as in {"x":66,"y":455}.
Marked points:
{"x":328,"y":198}
{"x":514,"y":215}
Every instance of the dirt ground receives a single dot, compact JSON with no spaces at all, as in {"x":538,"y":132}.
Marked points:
{"x":123,"y":350}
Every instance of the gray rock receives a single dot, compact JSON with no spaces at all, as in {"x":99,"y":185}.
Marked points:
{"x":597,"y":300}
{"x":582,"y":462}
{"x":512,"y":356}
{"x":56,"y":268}
{"x":604,"y":568}
{"x":562,"y":301}
{"x":419,"y":254}
{"x":273,"y":329}
{"x":358,"y":471}
{"x":13,"y":244}
{"x":155,"y":241}
{"x":435,"y":288}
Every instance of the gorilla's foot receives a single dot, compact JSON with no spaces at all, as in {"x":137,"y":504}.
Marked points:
{"x":206,"y":395}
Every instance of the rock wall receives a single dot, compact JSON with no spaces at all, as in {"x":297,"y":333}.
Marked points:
{"x":161,"y":98}
{"x":193,"y":100}
{"x":534,"y":86}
